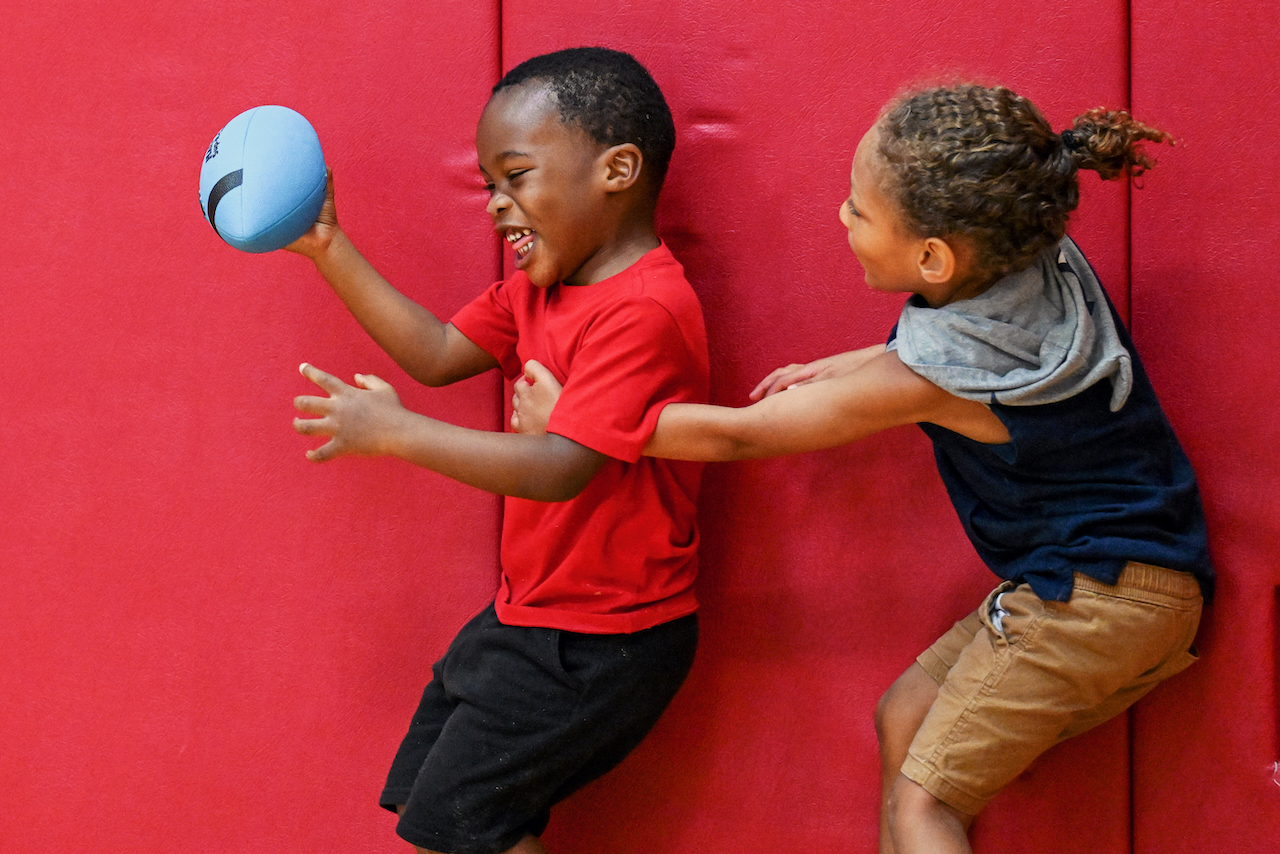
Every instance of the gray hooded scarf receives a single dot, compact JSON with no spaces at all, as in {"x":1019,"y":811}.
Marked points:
{"x":1040,"y":335}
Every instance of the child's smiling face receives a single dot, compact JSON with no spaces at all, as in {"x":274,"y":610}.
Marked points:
{"x":887,"y":252}
{"x":545,"y":186}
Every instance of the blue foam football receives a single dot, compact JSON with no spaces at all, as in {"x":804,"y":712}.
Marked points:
{"x":262,"y":182}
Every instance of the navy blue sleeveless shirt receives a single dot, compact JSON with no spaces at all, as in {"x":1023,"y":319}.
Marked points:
{"x":1078,"y":488}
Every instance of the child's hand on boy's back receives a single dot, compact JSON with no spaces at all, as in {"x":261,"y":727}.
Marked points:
{"x":317,"y":239}
{"x":821,"y":369}
{"x":358,"y":419}
{"x":535,"y":396}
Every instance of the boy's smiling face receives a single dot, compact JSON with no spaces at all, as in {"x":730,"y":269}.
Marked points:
{"x":546,"y":186}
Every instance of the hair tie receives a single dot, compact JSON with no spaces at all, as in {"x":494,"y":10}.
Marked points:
{"x":1072,"y":140}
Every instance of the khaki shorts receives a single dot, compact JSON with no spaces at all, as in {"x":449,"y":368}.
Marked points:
{"x":1051,"y":671}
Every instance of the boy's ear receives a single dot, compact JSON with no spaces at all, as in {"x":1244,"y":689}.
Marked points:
{"x":937,"y":261}
{"x":622,"y":165}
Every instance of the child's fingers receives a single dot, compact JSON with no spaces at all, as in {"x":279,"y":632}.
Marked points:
{"x":768,"y":382}
{"x":783,"y":379}
{"x":536,"y":372}
{"x":767,"y":386}
{"x":518,"y":397}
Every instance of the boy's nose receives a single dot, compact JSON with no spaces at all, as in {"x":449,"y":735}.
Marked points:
{"x":497,"y":204}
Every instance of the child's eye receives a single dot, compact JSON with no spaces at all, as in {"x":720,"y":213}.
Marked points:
{"x":516,"y":174}
{"x":849,"y":206}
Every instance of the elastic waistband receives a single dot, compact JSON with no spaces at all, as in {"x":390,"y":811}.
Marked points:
{"x":1146,"y":578}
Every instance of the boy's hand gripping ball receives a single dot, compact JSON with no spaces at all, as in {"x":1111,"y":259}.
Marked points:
{"x":262,"y":182}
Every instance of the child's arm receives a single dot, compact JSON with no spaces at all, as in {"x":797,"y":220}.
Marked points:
{"x":877,"y":393}
{"x":880,"y":394}
{"x":538,"y":390}
{"x":368,"y":420}
{"x":431,"y":352}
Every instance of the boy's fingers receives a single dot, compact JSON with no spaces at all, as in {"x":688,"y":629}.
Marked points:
{"x":312,"y":426}
{"x":328,"y":382}
{"x":327,"y":451}
{"x":371,"y":383}
{"x":311,"y":405}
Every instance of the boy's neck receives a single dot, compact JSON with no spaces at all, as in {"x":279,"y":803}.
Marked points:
{"x":627,"y":246}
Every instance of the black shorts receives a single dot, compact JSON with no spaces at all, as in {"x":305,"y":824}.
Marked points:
{"x":516,"y":719}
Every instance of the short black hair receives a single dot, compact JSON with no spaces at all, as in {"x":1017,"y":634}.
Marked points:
{"x":608,"y":94}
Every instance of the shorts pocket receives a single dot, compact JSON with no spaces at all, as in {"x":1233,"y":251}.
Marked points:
{"x":1019,"y":612}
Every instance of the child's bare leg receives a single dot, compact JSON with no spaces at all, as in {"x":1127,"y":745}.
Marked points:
{"x":922,"y":824}
{"x":912,"y":821}
{"x":899,"y":714}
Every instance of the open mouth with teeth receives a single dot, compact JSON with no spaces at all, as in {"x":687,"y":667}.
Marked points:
{"x":521,"y":240}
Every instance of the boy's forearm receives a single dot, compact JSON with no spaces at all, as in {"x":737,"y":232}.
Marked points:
{"x":545,"y":467}
{"x":414,"y":337}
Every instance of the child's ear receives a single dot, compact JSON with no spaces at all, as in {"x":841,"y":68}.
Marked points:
{"x":622,"y":165}
{"x":937,"y":261}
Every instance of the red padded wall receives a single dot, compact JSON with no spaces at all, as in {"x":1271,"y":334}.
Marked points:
{"x":206,"y":642}
{"x":1205,"y":313}
{"x":209,"y":644}
{"x":823,"y":575}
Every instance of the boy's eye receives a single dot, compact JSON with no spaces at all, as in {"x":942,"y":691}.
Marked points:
{"x":849,"y":206}
{"x":516,"y":174}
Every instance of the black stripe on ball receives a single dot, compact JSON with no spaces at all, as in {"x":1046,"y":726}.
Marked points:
{"x":225,"y":185}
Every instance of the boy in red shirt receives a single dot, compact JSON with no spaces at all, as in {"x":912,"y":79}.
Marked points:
{"x":593,"y":628}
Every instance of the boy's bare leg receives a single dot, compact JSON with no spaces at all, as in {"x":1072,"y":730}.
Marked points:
{"x":899,"y":714}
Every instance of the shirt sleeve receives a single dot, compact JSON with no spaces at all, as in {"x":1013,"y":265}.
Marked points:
{"x":633,"y":361}
{"x":489,"y":321}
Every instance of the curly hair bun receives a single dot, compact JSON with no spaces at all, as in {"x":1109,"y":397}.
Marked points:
{"x":982,"y":162}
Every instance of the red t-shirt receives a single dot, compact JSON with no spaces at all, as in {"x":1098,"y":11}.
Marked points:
{"x":622,"y":556}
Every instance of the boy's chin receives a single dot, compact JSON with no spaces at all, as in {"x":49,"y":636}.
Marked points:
{"x":545,"y":275}
{"x":541,"y":278}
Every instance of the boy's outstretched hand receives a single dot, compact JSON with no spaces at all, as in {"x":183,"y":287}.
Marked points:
{"x":535,"y":396}
{"x":359,"y":419}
